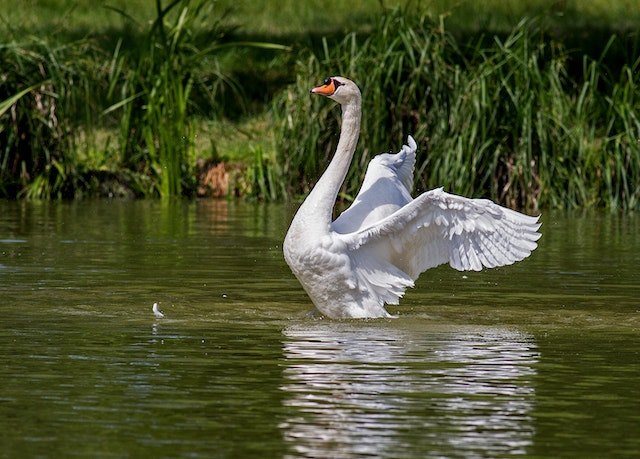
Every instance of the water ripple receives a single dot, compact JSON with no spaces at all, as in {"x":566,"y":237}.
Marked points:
{"x":384,"y":392}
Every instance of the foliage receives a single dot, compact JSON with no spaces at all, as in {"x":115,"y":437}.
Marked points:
{"x":41,"y":92}
{"x":503,"y":121}
{"x":53,"y":98}
{"x":513,"y":116}
{"x":154,"y":84}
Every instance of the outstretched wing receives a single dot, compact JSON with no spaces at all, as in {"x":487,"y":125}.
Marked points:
{"x":439,"y":227}
{"x":386,"y":189}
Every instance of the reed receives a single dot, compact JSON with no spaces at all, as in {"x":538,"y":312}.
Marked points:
{"x":43,"y":103}
{"x":517,"y":118}
{"x":154,"y":85}
{"x":503,"y":120}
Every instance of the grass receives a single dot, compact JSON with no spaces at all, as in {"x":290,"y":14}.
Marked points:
{"x":151,"y":95}
{"x":153,"y":84}
{"x":284,"y":18}
{"x":537,"y":113}
{"x":505,"y":121}
{"x":44,"y":92}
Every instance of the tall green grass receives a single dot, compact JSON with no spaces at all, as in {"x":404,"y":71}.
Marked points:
{"x":504,"y":121}
{"x":518,"y":118}
{"x":155,"y":85}
{"x":42,"y":102}
{"x":150,"y":90}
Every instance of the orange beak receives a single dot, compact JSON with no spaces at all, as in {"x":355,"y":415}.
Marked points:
{"x":326,"y":89}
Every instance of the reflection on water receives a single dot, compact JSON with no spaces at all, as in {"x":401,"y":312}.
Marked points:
{"x":387,"y":392}
{"x":539,"y":358}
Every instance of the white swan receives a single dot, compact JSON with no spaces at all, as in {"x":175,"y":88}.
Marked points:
{"x":378,"y":247}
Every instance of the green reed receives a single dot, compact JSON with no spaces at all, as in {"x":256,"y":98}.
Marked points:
{"x":518,"y":119}
{"x":153,"y":83}
{"x":41,"y":105}
{"x":504,"y":120}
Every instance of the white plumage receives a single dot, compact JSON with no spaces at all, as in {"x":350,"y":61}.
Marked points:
{"x":378,"y":247}
{"x":156,"y":311}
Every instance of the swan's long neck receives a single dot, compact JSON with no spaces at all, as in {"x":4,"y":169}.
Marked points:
{"x":318,"y":207}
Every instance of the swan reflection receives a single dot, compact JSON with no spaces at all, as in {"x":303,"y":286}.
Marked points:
{"x":355,"y":390}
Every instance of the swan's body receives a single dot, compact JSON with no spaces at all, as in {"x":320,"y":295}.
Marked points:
{"x":378,"y":247}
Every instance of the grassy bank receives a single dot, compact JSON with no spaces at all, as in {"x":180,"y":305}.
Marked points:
{"x":67,"y":20}
{"x":506,"y":120}
{"x":141,"y":102}
{"x":125,"y":118}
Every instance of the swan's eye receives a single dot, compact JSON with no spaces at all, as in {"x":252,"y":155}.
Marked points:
{"x":327,"y":81}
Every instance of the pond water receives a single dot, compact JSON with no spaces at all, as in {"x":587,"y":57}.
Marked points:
{"x":540,"y":359}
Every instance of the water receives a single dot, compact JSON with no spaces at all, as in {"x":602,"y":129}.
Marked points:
{"x":540,"y":359}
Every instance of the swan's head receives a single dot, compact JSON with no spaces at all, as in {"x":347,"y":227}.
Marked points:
{"x":338,"y":88}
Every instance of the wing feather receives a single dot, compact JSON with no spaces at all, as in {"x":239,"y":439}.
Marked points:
{"x":386,"y":188}
{"x":439,"y":227}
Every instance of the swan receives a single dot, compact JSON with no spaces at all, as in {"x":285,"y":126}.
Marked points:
{"x":377,"y":248}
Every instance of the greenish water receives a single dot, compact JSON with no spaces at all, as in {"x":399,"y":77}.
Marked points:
{"x":540,"y":359}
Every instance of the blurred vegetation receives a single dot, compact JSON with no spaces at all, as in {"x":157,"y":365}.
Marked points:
{"x":505,"y":120}
{"x":535,"y":112}
{"x":42,"y":98}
